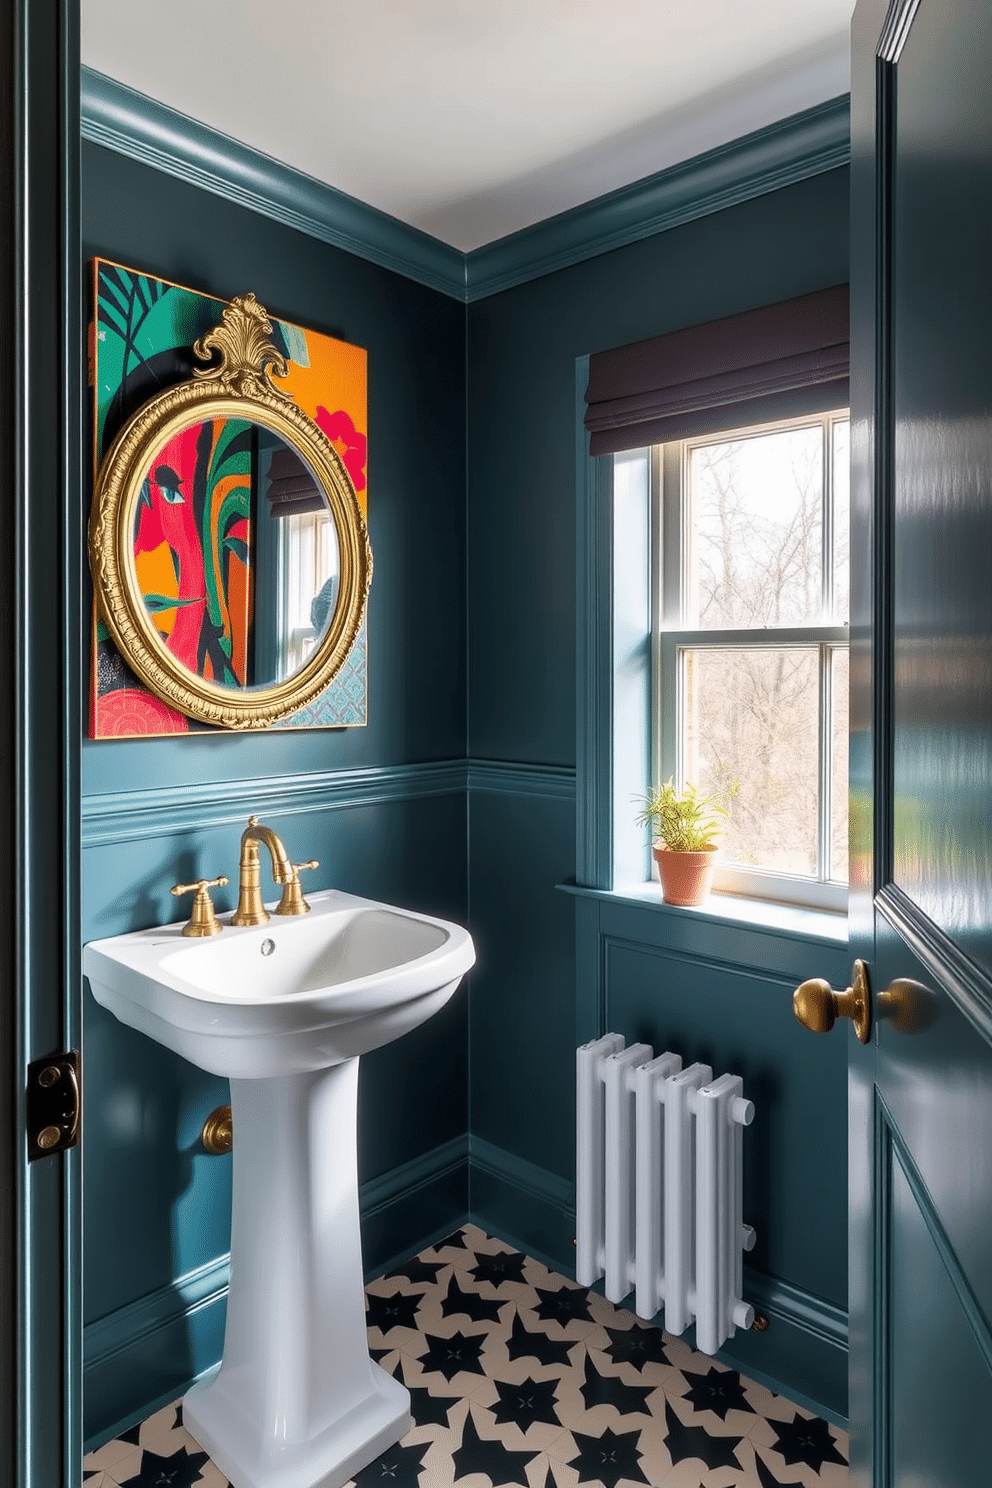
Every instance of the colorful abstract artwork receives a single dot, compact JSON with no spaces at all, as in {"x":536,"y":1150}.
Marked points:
{"x":203,"y":561}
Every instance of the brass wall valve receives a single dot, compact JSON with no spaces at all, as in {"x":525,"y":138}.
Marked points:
{"x":217,"y":1135}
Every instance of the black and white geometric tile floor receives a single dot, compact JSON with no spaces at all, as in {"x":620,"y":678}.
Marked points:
{"x":519,"y":1376}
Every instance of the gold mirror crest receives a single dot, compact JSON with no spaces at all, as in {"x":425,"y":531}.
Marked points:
{"x":236,"y":390}
{"x":247,"y":356}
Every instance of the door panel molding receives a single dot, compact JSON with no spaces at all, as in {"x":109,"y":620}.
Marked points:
{"x":970,"y":1306}
{"x":968,"y":985}
{"x":881,"y":1373}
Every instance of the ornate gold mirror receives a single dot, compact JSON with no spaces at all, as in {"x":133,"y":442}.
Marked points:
{"x":230,"y":557}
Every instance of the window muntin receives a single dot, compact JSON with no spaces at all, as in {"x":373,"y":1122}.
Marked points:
{"x":750,"y":647}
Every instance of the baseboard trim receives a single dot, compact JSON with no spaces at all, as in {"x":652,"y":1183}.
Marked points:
{"x":776,"y":1298}
{"x":533,"y":1181}
{"x":803,"y":1354}
{"x":114,"y":1334}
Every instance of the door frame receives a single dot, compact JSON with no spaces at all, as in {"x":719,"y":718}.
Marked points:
{"x":40,"y":724}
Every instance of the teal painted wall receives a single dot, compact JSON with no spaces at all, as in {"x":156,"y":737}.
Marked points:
{"x":479,"y":691}
{"x":157,"y":1208}
{"x":644,"y":973}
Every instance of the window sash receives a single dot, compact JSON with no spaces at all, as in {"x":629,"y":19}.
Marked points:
{"x":671,"y":638}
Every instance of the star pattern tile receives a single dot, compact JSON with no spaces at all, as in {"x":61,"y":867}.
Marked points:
{"x":419,"y":1270}
{"x":532,"y":1400}
{"x":502,"y":1266}
{"x":181,"y":1469}
{"x":525,"y":1343}
{"x":608,"y":1458}
{"x":469,"y":1304}
{"x":807,"y":1439}
{"x":637,"y":1346}
{"x":696,"y":1442}
{"x":396,"y":1311}
{"x":719,"y":1391}
{"x":459,"y":1354}
{"x":610,"y":1389}
{"x":481,"y":1455}
{"x":518,"y":1376}
{"x":563,"y":1305}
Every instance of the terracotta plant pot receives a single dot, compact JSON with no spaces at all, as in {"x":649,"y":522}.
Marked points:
{"x":686,"y":877}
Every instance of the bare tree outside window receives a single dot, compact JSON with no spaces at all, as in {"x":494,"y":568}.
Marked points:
{"x":756,"y":531}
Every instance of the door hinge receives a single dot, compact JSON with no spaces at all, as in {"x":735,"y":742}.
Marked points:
{"x":54,"y":1099}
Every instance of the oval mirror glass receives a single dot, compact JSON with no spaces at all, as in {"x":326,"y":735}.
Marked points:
{"x":236,"y":553}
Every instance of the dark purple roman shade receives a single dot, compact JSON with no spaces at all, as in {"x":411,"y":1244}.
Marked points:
{"x":780,"y":361}
{"x":291,"y":488}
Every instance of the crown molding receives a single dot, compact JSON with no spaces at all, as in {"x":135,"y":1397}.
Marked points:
{"x":791,"y":150}
{"x":781,"y":154}
{"x":134,"y":125}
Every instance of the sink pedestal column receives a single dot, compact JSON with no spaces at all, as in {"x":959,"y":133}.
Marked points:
{"x":296,"y":1401}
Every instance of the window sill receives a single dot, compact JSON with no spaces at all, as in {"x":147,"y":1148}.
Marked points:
{"x":790,"y":920}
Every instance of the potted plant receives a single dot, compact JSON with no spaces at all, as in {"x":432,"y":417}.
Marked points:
{"x":683,"y":825}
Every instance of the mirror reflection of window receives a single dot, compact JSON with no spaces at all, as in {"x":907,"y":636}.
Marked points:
{"x":309,"y":587}
{"x":297,"y":564}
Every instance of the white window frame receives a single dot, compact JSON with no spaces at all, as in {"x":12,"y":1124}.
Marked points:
{"x":671,"y":637}
{"x":308,"y":555}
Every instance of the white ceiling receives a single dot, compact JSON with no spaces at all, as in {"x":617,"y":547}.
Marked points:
{"x":470,"y":119}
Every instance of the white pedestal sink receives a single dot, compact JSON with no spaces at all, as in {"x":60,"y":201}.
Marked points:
{"x":284,"y":1010}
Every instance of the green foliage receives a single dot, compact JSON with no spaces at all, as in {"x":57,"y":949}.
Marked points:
{"x":681,"y":820}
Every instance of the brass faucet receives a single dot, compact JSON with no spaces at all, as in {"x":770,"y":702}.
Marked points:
{"x":250,"y":910}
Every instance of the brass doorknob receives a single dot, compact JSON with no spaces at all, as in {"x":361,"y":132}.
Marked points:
{"x":818,"y":1006}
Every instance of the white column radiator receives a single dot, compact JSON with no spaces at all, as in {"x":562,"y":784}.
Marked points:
{"x":658,"y":1191}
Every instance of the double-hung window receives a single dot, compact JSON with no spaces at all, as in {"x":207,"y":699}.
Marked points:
{"x":729,"y":513}
{"x":750,"y":646}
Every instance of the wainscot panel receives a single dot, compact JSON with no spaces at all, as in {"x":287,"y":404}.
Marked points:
{"x":716,"y":990}
{"x":522,"y":998}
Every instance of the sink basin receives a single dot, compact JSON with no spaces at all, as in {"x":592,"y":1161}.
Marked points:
{"x":284,"y":1010}
{"x":300,"y":993}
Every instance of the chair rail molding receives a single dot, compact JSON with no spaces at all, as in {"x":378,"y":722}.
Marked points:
{"x":156,"y":811}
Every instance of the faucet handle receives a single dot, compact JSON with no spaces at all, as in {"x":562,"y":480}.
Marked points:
{"x":292,"y":901}
{"x":203,"y":920}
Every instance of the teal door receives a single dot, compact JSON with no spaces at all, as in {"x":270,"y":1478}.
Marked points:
{"x":921,"y":743}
